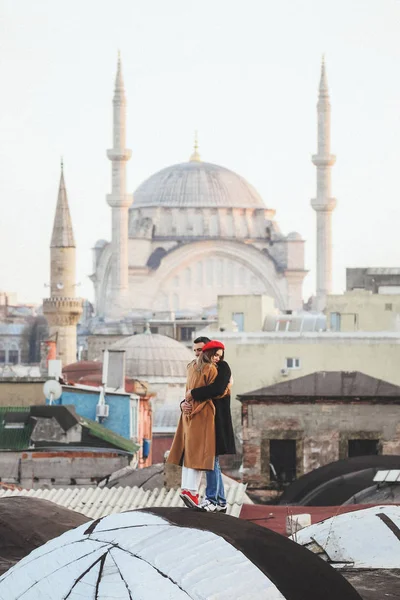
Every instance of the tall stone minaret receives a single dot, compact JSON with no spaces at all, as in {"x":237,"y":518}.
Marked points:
{"x":63,"y":310}
{"x":119,"y":201}
{"x":324,"y":204}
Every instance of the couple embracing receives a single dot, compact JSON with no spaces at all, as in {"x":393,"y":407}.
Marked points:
{"x":205,"y":429}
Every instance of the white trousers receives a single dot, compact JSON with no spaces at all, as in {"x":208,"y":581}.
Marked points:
{"x":191,"y":479}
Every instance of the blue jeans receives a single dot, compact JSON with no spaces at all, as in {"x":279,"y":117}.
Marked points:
{"x":215,"y":492}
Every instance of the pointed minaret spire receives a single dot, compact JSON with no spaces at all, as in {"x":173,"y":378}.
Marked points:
{"x":324,"y":204}
{"x":119,"y":200}
{"x":323,"y":83}
{"x":119,"y":80}
{"x":63,"y":235}
{"x":63,"y":310}
{"x":195,"y":157}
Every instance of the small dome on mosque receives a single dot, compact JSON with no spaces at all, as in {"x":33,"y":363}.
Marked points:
{"x":149,"y":356}
{"x":196,"y":184}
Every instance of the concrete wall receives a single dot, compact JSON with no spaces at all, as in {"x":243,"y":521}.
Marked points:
{"x":85,"y":403}
{"x":58,"y":469}
{"x":361,"y":310}
{"x":17,"y":392}
{"x":321,"y":432}
{"x":254,"y":309}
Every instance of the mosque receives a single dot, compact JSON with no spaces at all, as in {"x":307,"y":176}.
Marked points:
{"x":196,"y":230}
{"x":190,"y":232}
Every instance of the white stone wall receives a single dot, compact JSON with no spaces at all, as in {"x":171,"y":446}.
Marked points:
{"x":193,"y":275}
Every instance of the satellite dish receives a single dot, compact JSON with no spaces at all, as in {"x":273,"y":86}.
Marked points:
{"x":52,"y":390}
{"x":60,"y":286}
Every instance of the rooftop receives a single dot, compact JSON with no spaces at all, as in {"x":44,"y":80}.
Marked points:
{"x":17,"y":425}
{"x":326,"y":384}
{"x":95,"y":502}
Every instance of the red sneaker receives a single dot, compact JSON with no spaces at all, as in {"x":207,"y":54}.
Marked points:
{"x":191,"y":500}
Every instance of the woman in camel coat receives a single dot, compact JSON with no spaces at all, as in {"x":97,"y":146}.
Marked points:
{"x":194,"y":442}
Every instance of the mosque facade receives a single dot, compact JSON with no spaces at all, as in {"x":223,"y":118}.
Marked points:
{"x":196,"y":230}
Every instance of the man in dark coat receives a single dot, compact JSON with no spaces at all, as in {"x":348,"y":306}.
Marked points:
{"x":215,"y":500}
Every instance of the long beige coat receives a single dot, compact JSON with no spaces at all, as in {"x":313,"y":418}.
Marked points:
{"x":194,"y":441}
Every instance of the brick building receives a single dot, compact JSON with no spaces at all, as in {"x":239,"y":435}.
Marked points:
{"x":301,"y":424}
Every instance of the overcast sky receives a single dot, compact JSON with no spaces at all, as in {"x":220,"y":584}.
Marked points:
{"x":244,"y":73}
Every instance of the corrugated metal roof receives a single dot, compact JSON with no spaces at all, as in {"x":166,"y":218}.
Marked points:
{"x":99,"y":502}
{"x":15,"y":438}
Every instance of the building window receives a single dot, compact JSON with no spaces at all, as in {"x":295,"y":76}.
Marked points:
{"x":293,"y":363}
{"x":13,"y":357}
{"x":2,"y":356}
{"x":389,"y":306}
{"x":363,"y":448}
{"x":238,"y":318}
{"x":186,"y":333}
{"x":282,"y":460}
{"x":335,"y":323}
{"x":154,"y":329}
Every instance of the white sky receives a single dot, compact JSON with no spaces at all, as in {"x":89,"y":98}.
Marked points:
{"x":244,"y":73}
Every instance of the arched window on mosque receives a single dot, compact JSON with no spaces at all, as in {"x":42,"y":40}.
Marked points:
{"x":218,"y":272}
{"x":213,"y":224}
{"x":188,"y":277}
{"x":198,"y":227}
{"x":167,"y":218}
{"x":199,"y":273}
{"x":229,"y":226}
{"x":210,"y":272}
{"x":242,"y":224}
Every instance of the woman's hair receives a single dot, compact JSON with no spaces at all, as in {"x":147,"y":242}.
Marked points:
{"x":205,"y":357}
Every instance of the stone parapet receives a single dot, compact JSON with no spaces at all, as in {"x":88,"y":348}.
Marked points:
{"x":62,"y":311}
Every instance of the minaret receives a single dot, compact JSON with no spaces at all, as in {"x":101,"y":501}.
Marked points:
{"x":119,"y":201}
{"x":324,"y":204}
{"x":62,"y":310}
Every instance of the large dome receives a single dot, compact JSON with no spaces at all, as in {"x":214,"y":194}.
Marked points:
{"x":150,"y":356}
{"x":196,"y":184}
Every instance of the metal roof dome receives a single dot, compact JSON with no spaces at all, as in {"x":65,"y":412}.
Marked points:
{"x":196,"y":184}
{"x":151,"y":356}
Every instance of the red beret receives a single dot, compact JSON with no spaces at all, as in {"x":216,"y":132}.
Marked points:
{"x":213,"y":345}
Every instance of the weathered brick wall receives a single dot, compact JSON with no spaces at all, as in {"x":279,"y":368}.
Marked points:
{"x":321,"y":432}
